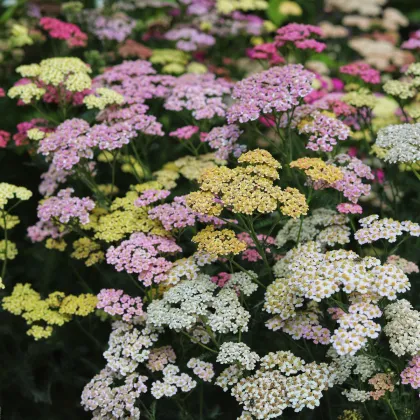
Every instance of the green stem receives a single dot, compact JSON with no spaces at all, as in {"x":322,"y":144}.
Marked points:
{"x":3,"y":270}
{"x":255,"y":279}
{"x":198,"y":342}
{"x":391,"y":408}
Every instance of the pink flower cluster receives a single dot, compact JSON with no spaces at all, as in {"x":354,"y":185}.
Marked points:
{"x":324,"y":132}
{"x":202,"y":94}
{"x":221,"y":279}
{"x":52,"y":178}
{"x":185,"y":133}
{"x":189,"y":39}
{"x":223,"y":140}
{"x":363,"y":70}
{"x":4,"y":138}
{"x":43,"y":230}
{"x":354,"y":171}
{"x":349,"y":208}
{"x":411,"y":374}
{"x":178,"y":215}
{"x":141,"y":254}
{"x":300,"y":35}
{"x":267,"y":51}
{"x":64,"y":207}
{"x":413,"y":42}
{"x":251,"y":254}
{"x":278,"y":89}
{"x":115,"y":302}
{"x":68,"y":144}
{"x":69,"y":32}
{"x":151,"y":196}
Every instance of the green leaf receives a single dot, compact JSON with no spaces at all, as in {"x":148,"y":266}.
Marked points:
{"x":273,"y":12}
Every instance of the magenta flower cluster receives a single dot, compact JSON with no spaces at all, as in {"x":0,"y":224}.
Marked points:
{"x":185,"y":133}
{"x":69,"y":32}
{"x":363,"y":70}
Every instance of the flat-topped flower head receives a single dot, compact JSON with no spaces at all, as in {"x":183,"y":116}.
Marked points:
{"x":276,"y":90}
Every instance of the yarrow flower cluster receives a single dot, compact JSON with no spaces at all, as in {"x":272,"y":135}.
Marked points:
{"x":300,"y":36}
{"x":69,"y":32}
{"x":116,"y":302}
{"x":277,"y":90}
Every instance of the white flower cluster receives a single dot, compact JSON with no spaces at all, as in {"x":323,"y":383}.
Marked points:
{"x":361,"y":365}
{"x":182,"y":269}
{"x":171,"y":382}
{"x":190,"y":301}
{"x":354,"y":395}
{"x":401,"y":142}
{"x":284,"y":380}
{"x":230,"y":353}
{"x":108,"y":402}
{"x":324,"y":225}
{"x":203,"y":370}
{"x":374,"y":229}
{"x":243,"y":282}
{"x":128,"y":346}
{"x":403,"y":328}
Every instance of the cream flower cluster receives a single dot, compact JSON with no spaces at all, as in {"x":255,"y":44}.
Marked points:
{"x":203,"y":370}
{"x":374,"y":229}
{"x":403,"y":328}
{"x":283,"y":380}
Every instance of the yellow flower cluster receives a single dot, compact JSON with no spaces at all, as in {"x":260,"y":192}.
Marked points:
{"x":229,"y":6}
{"x":350,"y":415}
{"x":360,"y":98}
{"x":8,"y":250}
{"x":191,"y":167}
{"x":124,"y":218}
{"x":218,"y":243}
{"x":129,"y":163}
{"x":173,"y":61}
{"x":102,"y":98}
{"x":89,"y":250}
{"x":72,"y":72}
{"x":9,"y":221}
{"x":317,"y":170}
{"x":246,"y":189}
{"x":167,"y":176}
{"x":19,"y":36}
{"x":35,"y":134}
{"x":55,"y":310}
{"x":26,"y":93}
{"x":57,"y":244}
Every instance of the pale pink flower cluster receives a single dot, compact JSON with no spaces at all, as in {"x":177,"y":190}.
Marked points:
{"x":42,"y":230}
{"x":160,"y":357}
{"x":203,"y":370}
{"x":141,"y":254}
{"x":324,"y":132}
{"x":151,"y":196}
{"x":413,"y":43}
{"x":224,"y":141}
{"x":408,"y":267}
{"x":349,"y":208}
{"x":190,"y":39}
{"x":279,"y":89}
{"x":116,"y":302}
{"x":374,"y":229}
{"x":178,"y":215}
{"x":411,"y":374}
{"x":64,"y":208}
{"x":202,"y":94}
